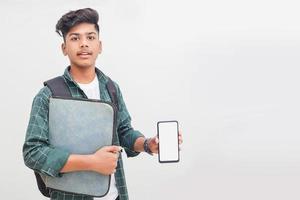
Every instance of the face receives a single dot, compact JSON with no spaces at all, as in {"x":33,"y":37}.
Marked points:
{"x":82,"y":45}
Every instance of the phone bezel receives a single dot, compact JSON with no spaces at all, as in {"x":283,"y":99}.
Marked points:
{"x":168,"y":161}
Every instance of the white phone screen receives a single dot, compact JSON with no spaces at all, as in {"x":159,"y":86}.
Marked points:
{"x":168,"y":141}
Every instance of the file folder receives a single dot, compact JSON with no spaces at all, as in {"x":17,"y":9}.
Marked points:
{"x":80,"y":126}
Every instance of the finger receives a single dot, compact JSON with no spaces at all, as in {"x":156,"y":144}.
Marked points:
{"x":180,"y":140}
{"x":116,"y":155}
{"x":156,"y":140}
{"x":155,"y":150}
{"x":179,"y":133}
{"x":112,"y":149}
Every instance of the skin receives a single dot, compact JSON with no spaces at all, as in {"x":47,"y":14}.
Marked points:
{"x":82,"y":46}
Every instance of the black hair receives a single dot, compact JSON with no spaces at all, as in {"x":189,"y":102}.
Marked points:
{"x":73,"y":18}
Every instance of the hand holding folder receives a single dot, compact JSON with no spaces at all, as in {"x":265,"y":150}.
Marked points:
{"x":105,"y":160}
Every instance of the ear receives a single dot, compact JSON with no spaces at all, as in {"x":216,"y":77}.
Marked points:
{"x":100,"y":47}
{"x":63,"y":48}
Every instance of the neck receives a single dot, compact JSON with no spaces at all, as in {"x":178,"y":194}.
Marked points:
{"x":82,"y":74}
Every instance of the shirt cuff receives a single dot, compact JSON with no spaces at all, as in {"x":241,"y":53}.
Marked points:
{"x":134,"y":136}
{"x":56,"y":160}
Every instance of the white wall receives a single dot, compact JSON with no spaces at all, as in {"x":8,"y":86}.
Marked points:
{"x":227,"y":70}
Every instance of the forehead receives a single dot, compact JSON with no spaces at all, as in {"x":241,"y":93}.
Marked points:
{"x":82,"y":29}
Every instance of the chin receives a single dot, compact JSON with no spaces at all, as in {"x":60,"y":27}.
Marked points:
{"x":84,"y":65}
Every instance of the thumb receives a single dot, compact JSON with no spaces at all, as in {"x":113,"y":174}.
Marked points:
{"x":156,"y":140}
{"x":112,"y":149}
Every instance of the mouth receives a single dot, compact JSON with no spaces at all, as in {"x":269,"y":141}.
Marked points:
{"x":84,"y":54}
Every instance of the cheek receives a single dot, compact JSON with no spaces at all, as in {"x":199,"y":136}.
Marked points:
{"x":97,"y":48}
{"x":72,"y":53}
{"x":70,"y":48}
{"x":72,"y":56}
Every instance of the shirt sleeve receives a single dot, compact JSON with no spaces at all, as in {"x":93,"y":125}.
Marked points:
{"x":38,"y":154}
{"x":127,"y":135}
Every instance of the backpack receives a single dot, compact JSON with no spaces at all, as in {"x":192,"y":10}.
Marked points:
{"x":58,"y":87}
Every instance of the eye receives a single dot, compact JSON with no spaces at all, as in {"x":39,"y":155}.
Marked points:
{"x":74,"y":38}
{"x":91,"y":37}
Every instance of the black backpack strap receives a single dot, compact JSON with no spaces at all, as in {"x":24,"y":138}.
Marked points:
{"x":41,"y":185}
{"x":58,"y":87}
{"x":111,"y":88}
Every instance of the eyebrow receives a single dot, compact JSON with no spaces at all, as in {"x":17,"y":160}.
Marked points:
{"x":78,"y":34}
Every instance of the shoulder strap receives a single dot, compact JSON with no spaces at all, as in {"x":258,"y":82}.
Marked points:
{"x":111,"y":88}
{"x":41,"y":185}
{"x":58,"y":87}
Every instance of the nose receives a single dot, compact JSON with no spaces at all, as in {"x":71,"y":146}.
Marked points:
{"x":83,"y":43}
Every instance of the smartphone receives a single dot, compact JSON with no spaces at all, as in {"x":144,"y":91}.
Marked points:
{"x":168,"y":146}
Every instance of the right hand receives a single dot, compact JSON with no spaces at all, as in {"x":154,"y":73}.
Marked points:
{"x":104,"y":161}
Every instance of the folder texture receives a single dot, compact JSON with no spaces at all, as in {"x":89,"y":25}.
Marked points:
{"x":80,"y":126}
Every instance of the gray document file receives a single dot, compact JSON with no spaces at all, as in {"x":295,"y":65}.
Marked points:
{"x":80,"y":126}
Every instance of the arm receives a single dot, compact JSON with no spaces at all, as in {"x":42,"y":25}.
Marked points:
{"x":152,"y":144}
{"x":103,"y":161}
{"x":139,"y":144}
{"x":38,"y":154}
{"x":127,"y":135}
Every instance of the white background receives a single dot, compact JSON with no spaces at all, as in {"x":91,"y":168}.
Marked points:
{"x":228,"y":71}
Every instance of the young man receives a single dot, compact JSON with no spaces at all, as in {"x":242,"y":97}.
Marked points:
{"x":82,"y":45}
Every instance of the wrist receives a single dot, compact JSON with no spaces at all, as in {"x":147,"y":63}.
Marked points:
{"x":147,"y":146}
{"x":89,"y":162}
{"x":78,"y":163}
{"x":139,"y":144}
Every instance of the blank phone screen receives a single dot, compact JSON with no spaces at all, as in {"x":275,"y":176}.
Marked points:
{"x":168,"y":141}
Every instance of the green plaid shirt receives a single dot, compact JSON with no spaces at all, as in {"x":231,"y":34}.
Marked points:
{"x":40,"y":156}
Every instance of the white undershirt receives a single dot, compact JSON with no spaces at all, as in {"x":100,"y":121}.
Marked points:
{"x":92,"y":91}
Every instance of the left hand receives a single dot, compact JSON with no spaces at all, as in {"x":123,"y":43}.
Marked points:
{"x":153,"y":143}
